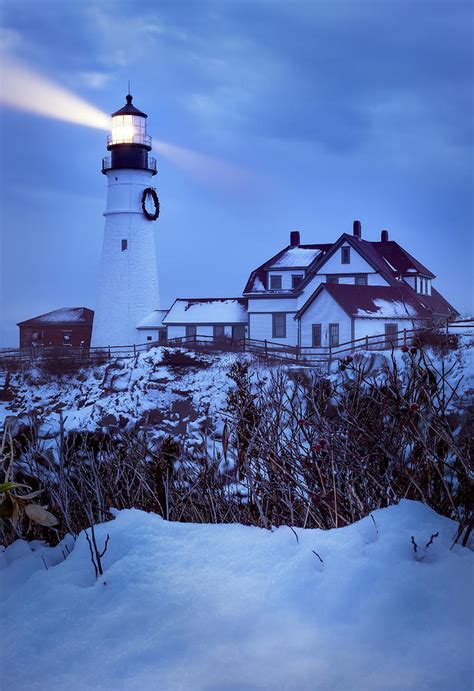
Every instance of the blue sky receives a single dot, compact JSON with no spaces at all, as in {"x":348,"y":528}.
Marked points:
{"x":302,"y":115}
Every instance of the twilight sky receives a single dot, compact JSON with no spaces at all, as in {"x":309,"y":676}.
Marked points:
{"x":272,"y":115}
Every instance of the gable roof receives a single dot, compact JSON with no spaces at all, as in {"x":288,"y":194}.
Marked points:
{"x":292,"y":256}
{"x":395,"y":302}
{"x":399,"y":259}
{"x":207,"y":311}
{"x":438,"y":305}
{"x":64,"y":315}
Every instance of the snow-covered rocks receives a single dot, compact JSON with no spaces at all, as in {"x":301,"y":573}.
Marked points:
{"x":201,"y":607}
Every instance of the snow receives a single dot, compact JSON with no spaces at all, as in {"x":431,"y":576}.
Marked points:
{"x":211,"y":607}
{"x":153,"y":320}
{"x":389,"y":308}
{"x":128,"y":389}
{"x":207,"y":311}
{"x":63,"y":315}
{"x":297,"y":257}
{"x":258,"y":285}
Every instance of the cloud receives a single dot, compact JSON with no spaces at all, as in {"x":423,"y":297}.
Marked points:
{"x":94,"y":80}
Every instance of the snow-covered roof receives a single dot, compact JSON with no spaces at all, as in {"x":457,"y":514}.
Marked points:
{"x":154,"y":320}
{"x":373,"y":301}
{"x":64,"y":315}
{"x":297,"y":257}
{"x":388,"y":308}
{"x":207,"y":311}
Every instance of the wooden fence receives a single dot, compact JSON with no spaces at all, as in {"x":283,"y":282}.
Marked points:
{"x":269,"y":350}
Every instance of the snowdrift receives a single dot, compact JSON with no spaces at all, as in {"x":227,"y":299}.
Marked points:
{"x":226,"y":607}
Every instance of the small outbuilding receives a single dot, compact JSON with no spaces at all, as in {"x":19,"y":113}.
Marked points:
{"x":68,"y":326}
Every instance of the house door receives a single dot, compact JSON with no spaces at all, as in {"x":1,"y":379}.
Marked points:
{"x":391,"y":335}
{"x":238,"y":332}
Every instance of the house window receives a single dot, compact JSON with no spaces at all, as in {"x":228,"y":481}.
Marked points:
{"x":218,"y":331}
{"x":361,"y":280}
{"x":332,"y":279}
{"x":391,"y":335}
{"x":316,"y":333}
{"x":279,"y":325}
{"x":124,"y":245}
{"x":149,"y":338}
{"x":191,"y":330}
{"x":37,"y":336}
{"x":333,"y":334}
{"x":67,"y":335}
{"x":296,"y":280}
{"x":275,"y":282}
{"x":345,"y":255}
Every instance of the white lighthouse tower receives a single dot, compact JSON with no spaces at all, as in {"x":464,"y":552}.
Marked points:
{"x":128,"y":283}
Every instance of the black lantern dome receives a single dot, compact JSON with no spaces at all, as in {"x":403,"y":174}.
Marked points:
{"x":129,"y":142}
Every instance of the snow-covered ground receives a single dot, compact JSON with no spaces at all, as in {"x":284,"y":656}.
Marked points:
{"x":227,"y":607}
{"x":178,"y":400}
{"x":127,"y":391}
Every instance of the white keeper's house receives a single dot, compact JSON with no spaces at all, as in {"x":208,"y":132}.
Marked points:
{"x":317,"y":295}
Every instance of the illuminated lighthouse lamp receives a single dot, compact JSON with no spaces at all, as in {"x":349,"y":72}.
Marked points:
{"x":129,"y":143}
{"x":129,"y":126}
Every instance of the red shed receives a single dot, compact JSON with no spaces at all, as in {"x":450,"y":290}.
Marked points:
{"x":68,"y":326}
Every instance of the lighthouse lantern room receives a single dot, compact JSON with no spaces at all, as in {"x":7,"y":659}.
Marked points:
{"x":128,"y":281}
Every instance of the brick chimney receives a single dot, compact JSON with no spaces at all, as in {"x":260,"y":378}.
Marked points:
{"x":384,"y":236}
{"x":357,"y":229}
{"x":295,"y":238}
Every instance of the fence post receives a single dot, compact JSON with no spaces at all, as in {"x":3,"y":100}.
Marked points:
{"x":297,"y":353}
{"x":404,"y":337}
{"x":367,"y":342}
{"x":109,"y":352}
{"x":330,"y":351}
{"x":447,"y":329}
{"x":134,"y":349}
{"x":266,"y":349}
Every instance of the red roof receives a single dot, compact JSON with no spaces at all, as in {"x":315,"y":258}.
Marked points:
{"x":437,"y":304}
{"x":399,"y":301}
{"x":399,"y":258}
{"x":388,"y":258}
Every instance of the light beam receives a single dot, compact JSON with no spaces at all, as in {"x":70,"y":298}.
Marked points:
{"x":24,"y":89}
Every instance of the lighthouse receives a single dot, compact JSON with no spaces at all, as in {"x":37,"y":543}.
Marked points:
{"x":128,"y":281}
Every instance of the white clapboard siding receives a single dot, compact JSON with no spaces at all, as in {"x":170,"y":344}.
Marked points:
{"x":261,"y":329}
{"x":376,"y":280}
{"x":373,"y":327}
{"x":273,"y":305}
{"x":309,"y":289}
{"x":333,"y":265}
{"x":324,"y":310}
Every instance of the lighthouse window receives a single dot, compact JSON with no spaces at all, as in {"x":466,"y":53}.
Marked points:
{"x":124,"y":245}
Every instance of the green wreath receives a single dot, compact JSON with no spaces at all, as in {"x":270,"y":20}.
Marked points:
{"x":152,"y":192}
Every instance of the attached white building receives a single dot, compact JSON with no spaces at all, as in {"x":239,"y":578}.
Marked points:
{"x":221,"y":318}
{"x":318,"y":295}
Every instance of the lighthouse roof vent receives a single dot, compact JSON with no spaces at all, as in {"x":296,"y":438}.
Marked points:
{"x":129,"y":109}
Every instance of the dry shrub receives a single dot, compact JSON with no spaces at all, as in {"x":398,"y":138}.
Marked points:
{"x":437,"y":339}
{"x":297,"y":449}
